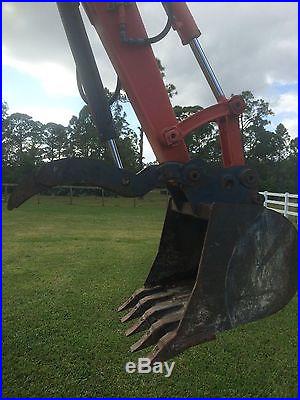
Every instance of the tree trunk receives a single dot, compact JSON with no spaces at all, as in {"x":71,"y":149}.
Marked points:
{"x":141,"y":145}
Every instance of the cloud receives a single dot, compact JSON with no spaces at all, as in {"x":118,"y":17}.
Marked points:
{"x":148,"y":152}
{"x":291,"y":125}
{"x":58,"y":115}
{"x":244,"y":45}
{"x":34,"y":42}
{"x":56,"y":79}
{"x":286,"y":103}
{"x":285,"y":107}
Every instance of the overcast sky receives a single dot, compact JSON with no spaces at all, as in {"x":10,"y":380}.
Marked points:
{"x":251,"y":46}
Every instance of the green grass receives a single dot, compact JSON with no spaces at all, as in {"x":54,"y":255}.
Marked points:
{"x":66,"y":269}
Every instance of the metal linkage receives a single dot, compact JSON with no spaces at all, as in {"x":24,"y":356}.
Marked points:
{"x":199,"y":182}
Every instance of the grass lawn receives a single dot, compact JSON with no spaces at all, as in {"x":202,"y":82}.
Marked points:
{"x":65,"y":270}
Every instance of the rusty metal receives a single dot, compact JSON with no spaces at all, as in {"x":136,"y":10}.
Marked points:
{"x":83,"y":171}
{"x":137,"y":295}
{"x":236,"y":266}
{"x":158,"y":330}
{"x":156,"y":312}
{"x":149,"y":301}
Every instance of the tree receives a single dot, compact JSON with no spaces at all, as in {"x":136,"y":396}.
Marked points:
{"x":281,"y":142}
{"x":288,"y":174}
{"x":253,"y":122}
{"x":266,"y":151}
{"x":23,"y":134}
{"x":26,"y":143}
{"x":86,"y":136}
{"x":141,"y":149}
{"x":71,"y":134}
{"x":21,"y":144}
{"x":203,"y":142}
{"x":83,"y":138}
{"x":6,"y":137}
{"x":170,"y":87}
{"x":4,"y":112}
{"x":293,"y":148}
{"x":18,"y":131}
{"x":54,"y":141}
{"x":127,"y":140}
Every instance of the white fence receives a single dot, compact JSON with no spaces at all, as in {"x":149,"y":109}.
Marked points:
{"x":285,"y":203}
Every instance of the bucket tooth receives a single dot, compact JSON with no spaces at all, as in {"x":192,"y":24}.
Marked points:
{"x":157,"y":312}
{"x":139,"y":326}
{"x":147,"y":302}
{"x":157,"y":352}
{"x":157,"y":330}
{"x":166,"y":346}
{"x":131,"y":314}
{"x":138,"y":295}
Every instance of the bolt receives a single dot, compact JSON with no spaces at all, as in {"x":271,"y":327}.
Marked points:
{"x":194,"y":175}
{"x":228,"y":182}
{"x":125,"y":180}
{"x":248,"y":178}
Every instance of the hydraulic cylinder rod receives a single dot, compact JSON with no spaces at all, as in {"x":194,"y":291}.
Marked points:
{"x":206,"y":69}
{"x":89,"y":75}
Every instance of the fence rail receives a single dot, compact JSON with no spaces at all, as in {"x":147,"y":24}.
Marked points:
{"x":287,"y":206}
{"x":73,"y":192}
{"x":284,"y":203}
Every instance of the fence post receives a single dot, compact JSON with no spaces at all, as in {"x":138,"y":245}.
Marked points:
{"x":286,"y":204}
{"x":266,"y":198}
{"x":5,"y":193}
{"x":71,"y":195}
{"x":102,"y":197}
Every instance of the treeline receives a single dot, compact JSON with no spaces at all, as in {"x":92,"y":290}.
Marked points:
{"x":27,"y":143}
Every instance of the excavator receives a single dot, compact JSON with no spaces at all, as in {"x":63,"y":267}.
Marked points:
{"x":223,"y":259}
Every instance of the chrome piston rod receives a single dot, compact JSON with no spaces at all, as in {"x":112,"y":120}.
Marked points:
{"x":115,"y":153}
{"x":206,"y":69}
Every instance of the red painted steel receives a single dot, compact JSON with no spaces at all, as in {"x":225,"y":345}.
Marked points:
{"x":138,"y":71}
{"x":225,"y":114}
{"x":231,"y":141}
{"x":211,"y":114}
{"x":140,"y":76}
{"x":184,"y":22}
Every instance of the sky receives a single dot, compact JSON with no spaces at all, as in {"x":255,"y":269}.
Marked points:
{"x":250,"y":45}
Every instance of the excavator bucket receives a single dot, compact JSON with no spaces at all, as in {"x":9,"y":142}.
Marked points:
{"x":236,"y":264}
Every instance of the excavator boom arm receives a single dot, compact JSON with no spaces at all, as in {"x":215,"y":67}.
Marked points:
{"x":124,"y":37}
